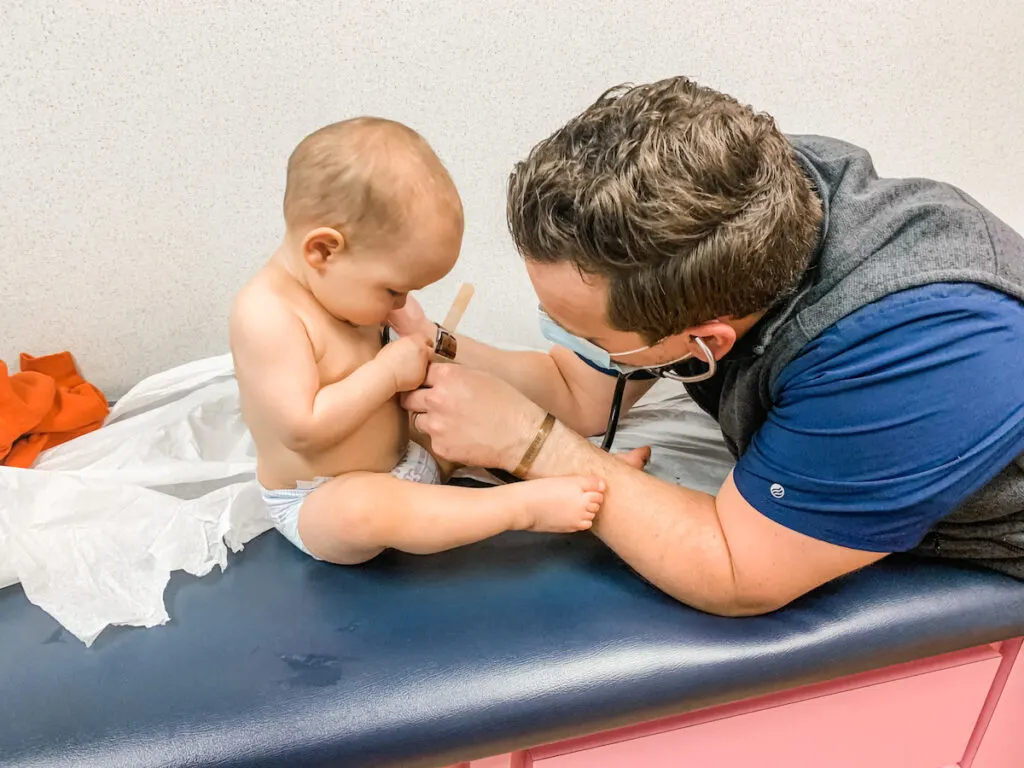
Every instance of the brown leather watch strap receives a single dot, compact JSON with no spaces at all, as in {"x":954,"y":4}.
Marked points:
{"x":445,"y":344}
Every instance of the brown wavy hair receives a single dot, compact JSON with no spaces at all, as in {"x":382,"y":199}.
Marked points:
{"x":691,"y":205}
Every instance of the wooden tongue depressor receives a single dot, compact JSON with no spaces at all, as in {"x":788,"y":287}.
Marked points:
{"x":458,"y":307}
{"x":451,"y":320}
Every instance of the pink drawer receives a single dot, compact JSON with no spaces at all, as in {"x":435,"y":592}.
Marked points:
{"x":921,"y":720}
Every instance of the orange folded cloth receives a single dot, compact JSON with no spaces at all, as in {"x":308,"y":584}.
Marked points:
{"x":47,"y":404}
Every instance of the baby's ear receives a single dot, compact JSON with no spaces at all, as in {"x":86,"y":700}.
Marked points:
{"x":321,"y":245}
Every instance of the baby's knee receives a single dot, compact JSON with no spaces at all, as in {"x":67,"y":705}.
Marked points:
{"x":357,"y":509}
{"x":341,"y":529}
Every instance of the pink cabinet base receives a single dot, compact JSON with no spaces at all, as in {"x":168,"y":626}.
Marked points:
{"x":959,"y":710}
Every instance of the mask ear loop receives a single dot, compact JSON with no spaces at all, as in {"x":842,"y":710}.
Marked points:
{"x":709,"y":373}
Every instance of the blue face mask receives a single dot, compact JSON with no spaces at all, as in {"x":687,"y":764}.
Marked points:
{"x":589,"y":351}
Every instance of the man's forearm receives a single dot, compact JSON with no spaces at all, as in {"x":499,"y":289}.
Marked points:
{"x":535,"y":374}
{"x":670,"y":535}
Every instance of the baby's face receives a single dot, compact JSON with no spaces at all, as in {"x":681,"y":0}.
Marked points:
{"x":363,"y":285}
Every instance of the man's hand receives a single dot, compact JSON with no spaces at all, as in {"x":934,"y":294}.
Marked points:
{"x":474,"y":418}
{"x":410,"y":320}
{"x":407,"y":359}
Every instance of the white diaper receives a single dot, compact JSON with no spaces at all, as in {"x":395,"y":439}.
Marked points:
{"x":417,"y":466}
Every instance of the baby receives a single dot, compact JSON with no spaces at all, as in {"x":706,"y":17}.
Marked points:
{"x":371,"y":214}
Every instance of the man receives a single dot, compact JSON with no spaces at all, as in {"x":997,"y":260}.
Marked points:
{"x":864,"y":336}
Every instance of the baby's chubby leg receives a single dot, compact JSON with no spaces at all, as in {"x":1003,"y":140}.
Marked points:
{"x":354,"y":517}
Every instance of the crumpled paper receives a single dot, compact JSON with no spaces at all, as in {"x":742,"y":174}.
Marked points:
{"x":94,"y":530}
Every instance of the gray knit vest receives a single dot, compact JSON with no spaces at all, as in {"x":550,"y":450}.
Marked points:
{"x":878,"y":237}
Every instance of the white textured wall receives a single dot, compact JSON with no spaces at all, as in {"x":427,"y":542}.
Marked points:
{"x":142,"y":143}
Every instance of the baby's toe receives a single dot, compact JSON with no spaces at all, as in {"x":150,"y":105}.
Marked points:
{"x":592,"y":484}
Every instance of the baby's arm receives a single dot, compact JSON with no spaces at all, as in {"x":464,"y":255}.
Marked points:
{"x":275,"y":363}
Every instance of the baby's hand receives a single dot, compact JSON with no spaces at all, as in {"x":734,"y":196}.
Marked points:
{"x":411,"y":321}
{"x":407,"y":358}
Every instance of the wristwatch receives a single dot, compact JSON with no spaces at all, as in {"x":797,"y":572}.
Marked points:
{"x":445,"y":344}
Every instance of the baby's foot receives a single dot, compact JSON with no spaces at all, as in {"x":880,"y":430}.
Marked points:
{"x":637,"y":458}
{"x":560,"y":504}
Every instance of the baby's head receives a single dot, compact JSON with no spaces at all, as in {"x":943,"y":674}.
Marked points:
{"x":371,"y":214}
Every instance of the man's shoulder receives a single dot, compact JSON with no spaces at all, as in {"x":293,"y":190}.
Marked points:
{"x":884,"y":235}
{"x":892,"y":417}
{"x":936,"y":321}
{"x":845,"y":173}
{"x":960,"y":299}
{"x":826,"y":147}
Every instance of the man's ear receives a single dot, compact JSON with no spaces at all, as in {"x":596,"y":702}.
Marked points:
{"x":320,"y":245}
{"x":719,"y":336}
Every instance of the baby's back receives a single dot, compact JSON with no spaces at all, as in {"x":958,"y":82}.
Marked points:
{"x":336,"y":350}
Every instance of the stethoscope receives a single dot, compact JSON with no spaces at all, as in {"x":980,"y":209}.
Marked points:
{"x":614,"y":412}
{"x":667,"y":372}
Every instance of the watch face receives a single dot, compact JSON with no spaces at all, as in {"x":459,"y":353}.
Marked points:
{"x":387,"y":335}
{"x":444,"y":344}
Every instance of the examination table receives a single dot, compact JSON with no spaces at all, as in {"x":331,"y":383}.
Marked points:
{"x":523,"y":650}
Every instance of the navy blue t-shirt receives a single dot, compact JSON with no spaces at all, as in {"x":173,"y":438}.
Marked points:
{"x":891,"y":418}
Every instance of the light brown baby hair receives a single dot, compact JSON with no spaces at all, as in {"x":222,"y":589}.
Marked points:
{"x":364,"y":177}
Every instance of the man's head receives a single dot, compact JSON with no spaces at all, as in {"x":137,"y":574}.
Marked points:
{"x":372,"y":214}
{"x":663,"y":211}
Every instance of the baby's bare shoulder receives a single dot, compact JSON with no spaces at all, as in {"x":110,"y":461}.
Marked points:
{"x":261,"y":314}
